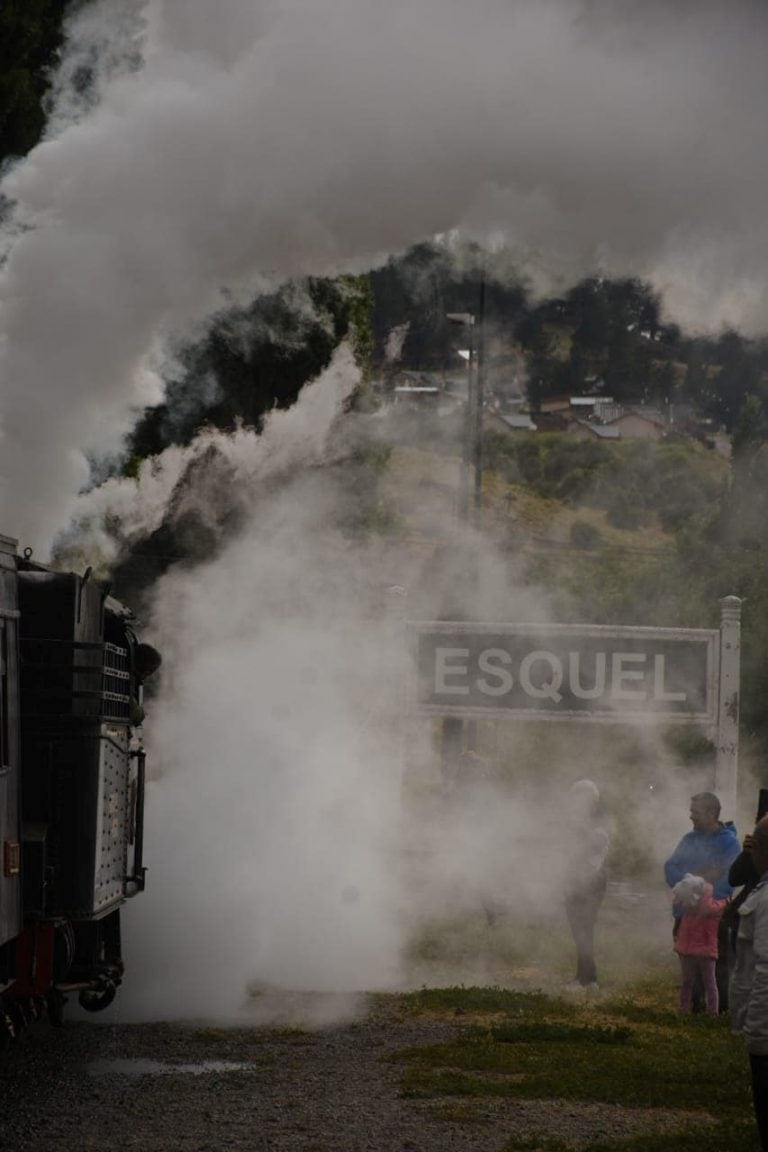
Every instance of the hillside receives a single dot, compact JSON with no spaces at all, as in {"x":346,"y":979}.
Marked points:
{"x":597,"y":557}
{"x":683,"y":539}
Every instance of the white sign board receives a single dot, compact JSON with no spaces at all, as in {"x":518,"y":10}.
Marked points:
{"x":566,"y":671}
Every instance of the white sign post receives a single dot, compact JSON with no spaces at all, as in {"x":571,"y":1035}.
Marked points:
{"x":588,"y":673}
{"x":727,"y":731}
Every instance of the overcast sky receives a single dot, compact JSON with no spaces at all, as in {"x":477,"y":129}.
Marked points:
{"x":232,"y":142}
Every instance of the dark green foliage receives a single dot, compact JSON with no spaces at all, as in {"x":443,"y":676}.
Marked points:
{"x":359,"y":510}
{"x":624,"y":508}
{"x":584,"y":535}
{"x":615,"y":337}
{"x":552,"y":1049}
{"x":720,"y":376}
{"x":559,"y":1034}
{"x":686,"y":1068}
{"x":738,"y":376}
{"x":255,"y":359}
{"x":751,"y":431}
{"x":632,"y":480}
{"x":419,"y":287}
{"x":480,"y":999}
{"x":30,"y":36}
{"x":603,"y":336}
{"x":360,"y":301}
{"x":735,"y":1135}
{"x":551,"y":464}
{"x":717,"y":528}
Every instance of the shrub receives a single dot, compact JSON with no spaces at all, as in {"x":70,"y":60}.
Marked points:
{"x":584,"y":534}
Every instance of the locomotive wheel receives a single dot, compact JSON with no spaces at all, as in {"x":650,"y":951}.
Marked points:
{"x":95,"y":999}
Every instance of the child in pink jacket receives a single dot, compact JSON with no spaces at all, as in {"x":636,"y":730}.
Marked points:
{"x":696,"y":940}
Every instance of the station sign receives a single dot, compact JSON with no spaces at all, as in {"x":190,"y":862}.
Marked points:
{"x":566,"y":671}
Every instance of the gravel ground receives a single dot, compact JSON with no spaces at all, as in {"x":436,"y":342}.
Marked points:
{"x":166,"y":1088}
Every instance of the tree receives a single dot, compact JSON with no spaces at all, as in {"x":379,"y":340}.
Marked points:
{"x":254,"y":359}
{"x":751,"y":431}
{"x":738,"y":376}
{"x":30,"y":36}
{"x":662,"y":382}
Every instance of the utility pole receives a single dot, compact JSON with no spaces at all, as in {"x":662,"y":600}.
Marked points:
{"x":472,"y":454}
{"x":468,"y":452}
{"x":455,"y":732}
{"x":479,"y":399}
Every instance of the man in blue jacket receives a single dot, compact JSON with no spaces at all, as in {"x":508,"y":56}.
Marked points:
{"x":708,"y":851}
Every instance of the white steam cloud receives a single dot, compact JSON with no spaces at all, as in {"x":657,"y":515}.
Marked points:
{"x":300,"y":835}
{"x":214,"y":150}
{"x":273,"y":829}
{"x":219,"y":149}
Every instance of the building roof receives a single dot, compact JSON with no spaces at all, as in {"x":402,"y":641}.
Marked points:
{"x":600,"y":431}
{"x":555,"y":403}
{"x":649,"y":414}
{"x":516,"y":422}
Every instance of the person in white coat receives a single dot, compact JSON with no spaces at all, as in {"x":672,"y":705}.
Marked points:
{"x":749,"y":981}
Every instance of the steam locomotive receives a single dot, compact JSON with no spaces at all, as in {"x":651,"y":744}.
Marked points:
{"x":72,"y":772}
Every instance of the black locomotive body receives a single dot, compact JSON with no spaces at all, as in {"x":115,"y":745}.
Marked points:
{"x":71,"y":787}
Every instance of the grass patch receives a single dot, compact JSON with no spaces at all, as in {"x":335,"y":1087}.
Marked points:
{"x":538,"y":950}
{"x":730,"y":1136}
{"x":678,"y":1070}
{"x":460,"y":1000}
{"x":462,"y":1112}
{"x":544,"y":1047}
{"x":634,"y":1011}
{"x":559,"y":1034}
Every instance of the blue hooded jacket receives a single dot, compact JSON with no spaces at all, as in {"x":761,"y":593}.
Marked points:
{"x":698,"y":851}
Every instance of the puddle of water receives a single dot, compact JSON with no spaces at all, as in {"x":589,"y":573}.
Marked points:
{"x":139,"y":1067}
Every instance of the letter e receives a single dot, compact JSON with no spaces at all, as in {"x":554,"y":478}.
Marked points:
{"x":445,"y":668}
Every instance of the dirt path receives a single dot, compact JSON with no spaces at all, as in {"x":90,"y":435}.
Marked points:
{"x":165,"y":1088}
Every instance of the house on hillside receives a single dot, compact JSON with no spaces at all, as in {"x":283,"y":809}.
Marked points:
{"x":497,"y":421}
{"x":639,"y":424}
{"x":597,"y":418}
{"x":551,"y":421}
{"x":558,"y":404}
{"x":590,"y":430}
{"x":602,"y":408}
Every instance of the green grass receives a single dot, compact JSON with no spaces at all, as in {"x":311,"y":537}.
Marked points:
{"x":734,"y":1136}
{"x":634,"y":1050}
{"x":537,"y":950}
{"x":486,"y":1001}
{"x":560,"y":1034}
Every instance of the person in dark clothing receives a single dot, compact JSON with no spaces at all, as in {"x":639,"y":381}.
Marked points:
{"x":586,"y":879}
{"x":744,"y":875}
{"x":749,"y":984}
{"x":743,"y":870}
